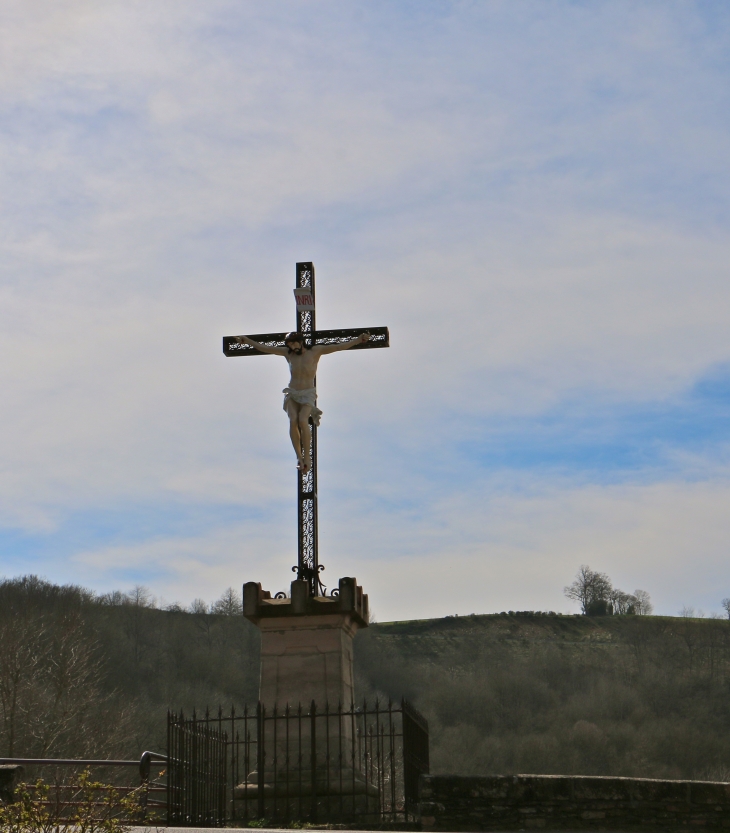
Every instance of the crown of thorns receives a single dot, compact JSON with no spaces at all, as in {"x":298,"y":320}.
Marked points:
{"x":290,"y":337}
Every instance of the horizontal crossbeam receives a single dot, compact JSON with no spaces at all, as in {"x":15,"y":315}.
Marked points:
{"x":379,"y":337}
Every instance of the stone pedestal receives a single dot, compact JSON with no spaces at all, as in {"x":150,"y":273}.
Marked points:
{"x":306,"y":643}
{"x":306,"y":756}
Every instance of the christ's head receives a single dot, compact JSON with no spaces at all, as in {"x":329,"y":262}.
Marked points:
{"x":295,"y":343}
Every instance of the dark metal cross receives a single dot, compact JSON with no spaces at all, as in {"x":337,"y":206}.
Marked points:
{"x":308,"y":567}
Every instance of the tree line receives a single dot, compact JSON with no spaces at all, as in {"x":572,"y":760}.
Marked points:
{"x":86,"y":675}
{"x":83,"y":675}
{"x":598,"y":597}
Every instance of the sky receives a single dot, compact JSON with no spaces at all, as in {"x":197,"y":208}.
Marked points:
{"x":533,"y":195}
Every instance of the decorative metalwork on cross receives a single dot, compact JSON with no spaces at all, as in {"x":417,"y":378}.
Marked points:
{"x":308,"y":567}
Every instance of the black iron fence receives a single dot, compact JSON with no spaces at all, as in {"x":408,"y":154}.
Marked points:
{"x":196,"y":776}
{"x":359,"y":764}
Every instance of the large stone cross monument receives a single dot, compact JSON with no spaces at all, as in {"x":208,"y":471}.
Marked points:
{"x":306,"y":637}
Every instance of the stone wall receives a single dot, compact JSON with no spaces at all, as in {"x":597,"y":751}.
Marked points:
{"x":562,"y":802}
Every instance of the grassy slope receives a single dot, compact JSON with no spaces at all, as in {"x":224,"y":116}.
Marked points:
{"x":643,"y":696}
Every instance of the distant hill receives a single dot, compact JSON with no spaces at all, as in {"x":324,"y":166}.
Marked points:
{"x":506,"y":693}
{"x":535,"y":693}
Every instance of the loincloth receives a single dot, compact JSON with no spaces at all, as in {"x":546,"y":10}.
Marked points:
{"x":308,"y":396}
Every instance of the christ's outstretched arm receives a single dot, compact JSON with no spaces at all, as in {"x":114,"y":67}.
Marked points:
{"x":263,"y":348}
{"x":324,"y":349}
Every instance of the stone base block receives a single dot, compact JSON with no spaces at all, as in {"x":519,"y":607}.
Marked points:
{"x":306,"y":643}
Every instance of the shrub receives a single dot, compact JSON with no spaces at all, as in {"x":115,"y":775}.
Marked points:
{"x":87,"y":807}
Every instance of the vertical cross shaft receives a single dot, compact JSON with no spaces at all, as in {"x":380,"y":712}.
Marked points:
{"x":308,"y":568}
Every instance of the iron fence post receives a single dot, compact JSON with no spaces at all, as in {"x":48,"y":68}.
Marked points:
{"x":260,"y":756}
{"x":313,"y":715}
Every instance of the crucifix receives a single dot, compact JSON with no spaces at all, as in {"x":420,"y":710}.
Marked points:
{"x":303,"y":401}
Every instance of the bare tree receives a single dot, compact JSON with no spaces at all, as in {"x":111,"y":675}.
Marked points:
{"x":204,"y":620}
{"x":21,"y":663}
{"x":71,"y":685}
{"x":51,"y":694}
{"x":229,"y":604}
{"x":135,"y":604}
{"x":591,"y":589}
{"x":140,"y":596}
{"x":726,"y":607}
{"x":115,"y":598}
{"x":642,"y":605}
{"x":622,"y":603}
{"x":199,"y":606}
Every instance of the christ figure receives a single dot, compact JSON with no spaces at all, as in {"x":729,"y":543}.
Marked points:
{"x":300,"y":398}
